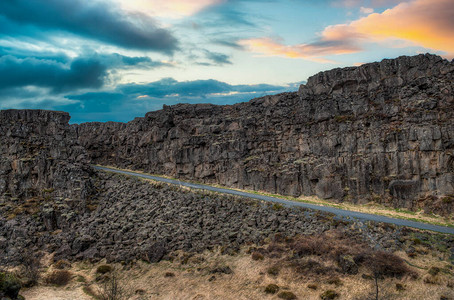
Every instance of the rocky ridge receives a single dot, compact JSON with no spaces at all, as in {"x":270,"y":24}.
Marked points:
{"x":380,"y":132}
{"x":40,"y":156}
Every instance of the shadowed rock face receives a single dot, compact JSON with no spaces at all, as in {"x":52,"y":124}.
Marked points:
{"x":382,"y":131}
{"x":40,"y":157}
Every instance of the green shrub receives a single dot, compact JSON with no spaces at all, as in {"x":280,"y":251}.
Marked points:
{"x":9,"y":285}
{"x":271,"y":289}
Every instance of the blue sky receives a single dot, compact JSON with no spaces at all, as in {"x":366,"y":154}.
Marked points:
{"x":113,"y":60}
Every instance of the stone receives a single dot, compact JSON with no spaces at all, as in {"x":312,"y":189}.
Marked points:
{"x":348,"y":265}
{"x":156,"y":252}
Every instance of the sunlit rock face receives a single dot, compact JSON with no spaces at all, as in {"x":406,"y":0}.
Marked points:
{"x":380,"y":132}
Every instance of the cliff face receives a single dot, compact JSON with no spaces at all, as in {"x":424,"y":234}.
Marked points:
{"x":382,"y":131}
{"x":40,"y":158}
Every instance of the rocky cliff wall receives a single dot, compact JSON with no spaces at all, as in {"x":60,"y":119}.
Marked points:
{"x":40,"y":159}
{"x":380,"y":132}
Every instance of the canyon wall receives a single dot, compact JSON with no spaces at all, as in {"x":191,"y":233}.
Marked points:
{"x":380,"y":132}
{"x":40,"y":158}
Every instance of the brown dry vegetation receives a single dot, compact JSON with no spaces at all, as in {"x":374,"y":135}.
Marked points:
{"x":308,"y":267}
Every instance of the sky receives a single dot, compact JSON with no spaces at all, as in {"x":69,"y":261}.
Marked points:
{"x":114,"y":60}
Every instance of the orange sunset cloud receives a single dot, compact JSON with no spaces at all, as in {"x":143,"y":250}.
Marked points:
{"x":313,"y":52}
{"x":426,"y":23}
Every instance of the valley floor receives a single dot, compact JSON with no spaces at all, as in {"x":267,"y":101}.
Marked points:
{"x":247,"y":274}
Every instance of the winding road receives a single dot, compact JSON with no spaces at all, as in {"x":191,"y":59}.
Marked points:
{"x":339,"y":212}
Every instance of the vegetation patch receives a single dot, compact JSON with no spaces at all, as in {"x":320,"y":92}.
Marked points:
{"x":286,"y":295}
{"x":103,"y":269}
{"x":58,"y":277}
{"x":10,"y":285}
{"x":328,"y":295}
{"x":271,"y":289}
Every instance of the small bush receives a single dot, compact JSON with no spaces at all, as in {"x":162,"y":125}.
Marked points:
{"x":286,"y":295}
{"x":257,"y":256}
{"x":400,"y":287}
{"x":329,"y":294}
{"x":9,"y":285}
{"x":58,"y":277}
{"x":169,"y":274}
{"x":104,"y":269}
{"x":334,"y":280}
{"x":310,"y":266}
{"x":140,"y":292}
{"x":31,"y":269}
{"x":311,"y":246}
{"x":271,"y":289}
{"x":274,"y":270}
{"x":388,"y":265}
{"x":312,"y":286}
{"x":275,"y":250}
{"x":113,"y":289}
{"x":417,"y":241}
{"x":62,"y":264}
{"x":434,"y":271}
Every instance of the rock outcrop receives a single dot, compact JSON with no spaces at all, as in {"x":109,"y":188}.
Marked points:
{"x":41,"y":159}
{"x":380,"y":132}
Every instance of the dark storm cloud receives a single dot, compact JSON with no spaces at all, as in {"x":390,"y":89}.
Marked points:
{"x":81,"y":73}
{"x":27,"y":53}
{"x":90,"y":19}
{"x":60,"y":73}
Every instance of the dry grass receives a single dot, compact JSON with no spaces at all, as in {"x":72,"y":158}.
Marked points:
{"x":307,"y":268}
